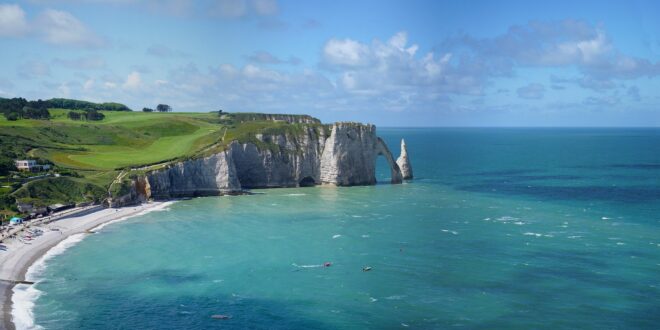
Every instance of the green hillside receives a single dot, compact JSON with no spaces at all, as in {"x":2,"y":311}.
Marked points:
{"x":89,"y":155}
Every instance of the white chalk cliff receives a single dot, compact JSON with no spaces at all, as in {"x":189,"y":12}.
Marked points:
{"x":343,"y":154}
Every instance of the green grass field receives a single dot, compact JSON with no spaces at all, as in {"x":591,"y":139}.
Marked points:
{"x":122,"y":139}
{"x":96,"y":152}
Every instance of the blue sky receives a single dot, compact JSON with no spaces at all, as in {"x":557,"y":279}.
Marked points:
{"x":391,"y":63}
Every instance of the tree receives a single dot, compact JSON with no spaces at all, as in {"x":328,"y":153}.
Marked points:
{"x":13,"y":116}
{"x":94,"y":115}
{"x":147,"y":110}
{"x":6,"y":165}
{"x":74,"y":115}
{"x":163,"y":108}
{"x":220,"y":112}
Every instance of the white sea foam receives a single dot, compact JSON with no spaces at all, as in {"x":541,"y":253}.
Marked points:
{"x":450,"y":231}
{"x":25,"y":296}
{"x":532,"y":234}
{"x":336,"y":236}
{"x":306,"y":266}
{"x":295,"y":194}
{"x":506,"y":218}
{"x":605,"y":218}
{"x":23,"y":304}
{"x":365,"y":236}
{"x":395,"y":297}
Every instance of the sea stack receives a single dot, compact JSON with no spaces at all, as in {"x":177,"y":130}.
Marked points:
{"x":404,"y":162}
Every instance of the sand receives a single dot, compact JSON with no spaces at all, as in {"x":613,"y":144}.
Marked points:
{"x":18,"y":257}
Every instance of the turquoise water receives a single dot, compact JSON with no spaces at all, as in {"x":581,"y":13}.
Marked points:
{"x":501,"y":229}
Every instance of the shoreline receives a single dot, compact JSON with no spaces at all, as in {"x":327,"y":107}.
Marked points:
{"x":17,"y":259}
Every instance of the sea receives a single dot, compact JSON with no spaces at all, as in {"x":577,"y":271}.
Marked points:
{"x":501,"y":228}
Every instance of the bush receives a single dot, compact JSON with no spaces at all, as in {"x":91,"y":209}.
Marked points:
{"x":60,"y":190}
{"x":13,"y":116}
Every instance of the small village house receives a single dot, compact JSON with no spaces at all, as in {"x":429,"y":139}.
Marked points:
{"x":30,"y":165}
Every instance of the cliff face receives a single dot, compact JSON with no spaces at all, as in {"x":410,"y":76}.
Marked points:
{"x":349,"y":156}
{"x":292,"y":160}
{"x":214,"y":175}
{"x":344,"y":156}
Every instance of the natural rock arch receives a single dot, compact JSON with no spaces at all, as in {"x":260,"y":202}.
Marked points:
{"x":381,"y":149}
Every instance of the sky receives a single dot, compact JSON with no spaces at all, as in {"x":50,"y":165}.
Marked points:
{"x":390,"y":63}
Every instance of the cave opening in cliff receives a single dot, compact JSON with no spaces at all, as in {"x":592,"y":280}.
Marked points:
{"x":307,"y":181}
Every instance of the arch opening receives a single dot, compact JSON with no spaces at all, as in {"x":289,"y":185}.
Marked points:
{"x":382,"y":150}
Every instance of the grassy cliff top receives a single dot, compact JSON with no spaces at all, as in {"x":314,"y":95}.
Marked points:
{"x":95,"y":152}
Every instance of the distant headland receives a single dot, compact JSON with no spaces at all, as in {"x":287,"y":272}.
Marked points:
{"x":85,"y":153}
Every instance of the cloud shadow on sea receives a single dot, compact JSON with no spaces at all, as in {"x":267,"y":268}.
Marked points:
{"x":122,"y":310}
{"x":577,"y":193}
{"x":564,"y":288}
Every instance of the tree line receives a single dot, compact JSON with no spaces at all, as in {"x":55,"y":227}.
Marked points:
{"x":159,"y":108}
{"x":85,"y":105}
{"x":20,"y":108}
{"x":87,"y":115}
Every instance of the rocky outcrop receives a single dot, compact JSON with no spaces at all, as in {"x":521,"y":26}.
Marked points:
{"x":137,"y":191}
{"x":343,"y":155}
{"x":404,"y":162}
{"x":349,"y":156}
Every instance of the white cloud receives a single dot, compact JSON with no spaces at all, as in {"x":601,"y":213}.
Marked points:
{"x":567,"y":43}
{"x":393,"y":68}
{"x":53,"y":26}
{"x":61,"y":28}
{"x":12,"y":21}
{"x":88,"y":85}
{"x":133,"y":81}
{"x":345,"y":52}
{"x":64,"y":90}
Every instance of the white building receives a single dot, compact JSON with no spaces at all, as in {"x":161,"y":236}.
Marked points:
{"x":30,"y":165}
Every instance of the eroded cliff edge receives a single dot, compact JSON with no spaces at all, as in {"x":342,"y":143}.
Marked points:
{"x":341,"y":154}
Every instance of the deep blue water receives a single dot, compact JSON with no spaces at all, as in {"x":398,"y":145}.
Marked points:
{"x":500,"y":229}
